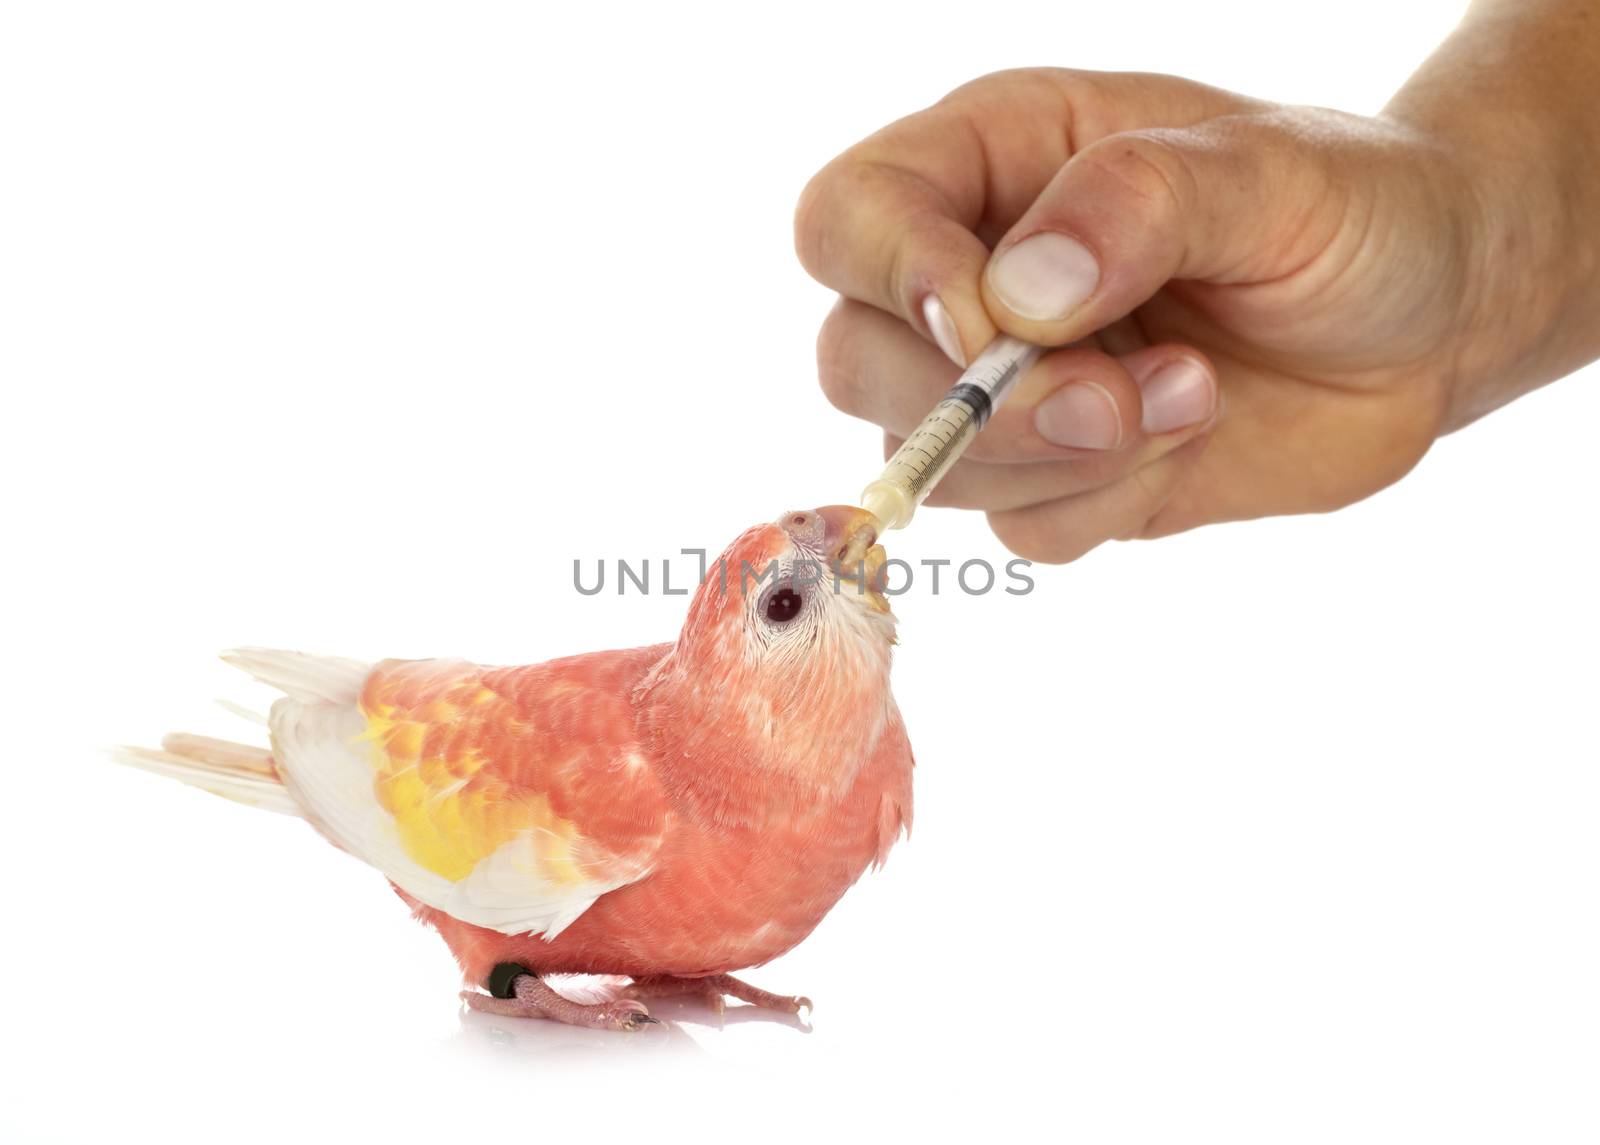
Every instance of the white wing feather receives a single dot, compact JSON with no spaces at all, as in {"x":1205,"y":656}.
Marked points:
{"x":318,"y":746}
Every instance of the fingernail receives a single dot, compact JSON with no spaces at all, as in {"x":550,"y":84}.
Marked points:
{"x":1082,"y":415}
{"x":943,"y":329}
{"x":1178,"y":394}
{"x":1045,"y":277}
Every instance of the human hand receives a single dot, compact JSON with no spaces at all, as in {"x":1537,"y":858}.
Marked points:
{"x":1260,"y":309}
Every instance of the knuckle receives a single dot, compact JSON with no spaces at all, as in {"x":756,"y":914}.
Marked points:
{"x":817,"y":221}
{"x":831,"y":238}
{"x":809,"y":228}
{"x":1009,"y":82}
{"x":1149,"y":166}
{"x":1062,"y":94}
{"x":1071,"y":100}
{"x":836,"y":358}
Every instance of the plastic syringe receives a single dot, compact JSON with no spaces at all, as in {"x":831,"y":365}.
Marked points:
{"x":941,"y":439}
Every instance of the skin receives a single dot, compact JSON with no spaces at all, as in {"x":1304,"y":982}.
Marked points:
{"x":1343,"y":290}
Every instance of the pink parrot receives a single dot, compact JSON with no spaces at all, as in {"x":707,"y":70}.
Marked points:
{"x":669,"y":813}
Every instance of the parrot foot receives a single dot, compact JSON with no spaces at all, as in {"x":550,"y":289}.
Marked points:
{"x":516,"y":993}
{"x":714,"y":988}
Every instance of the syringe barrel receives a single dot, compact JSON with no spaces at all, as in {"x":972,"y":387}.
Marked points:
{"x":938,"y":443}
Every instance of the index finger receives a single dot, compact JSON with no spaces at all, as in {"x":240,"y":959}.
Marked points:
{"x":901,"y":221}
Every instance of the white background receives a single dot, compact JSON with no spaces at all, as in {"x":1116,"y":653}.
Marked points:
{"x":347,"y":327}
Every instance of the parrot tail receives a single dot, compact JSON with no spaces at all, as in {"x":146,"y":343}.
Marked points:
{"x":239,"y":771}
{"x":234,"y":771}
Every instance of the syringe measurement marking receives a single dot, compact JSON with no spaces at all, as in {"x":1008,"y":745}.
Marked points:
{"x":936,"y":445}
{"x":953,"y":430}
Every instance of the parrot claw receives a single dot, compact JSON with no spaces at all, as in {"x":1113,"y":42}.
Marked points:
{"x":627,"y":1014}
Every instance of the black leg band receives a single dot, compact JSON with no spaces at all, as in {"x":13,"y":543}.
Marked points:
{"x":503,"y":979}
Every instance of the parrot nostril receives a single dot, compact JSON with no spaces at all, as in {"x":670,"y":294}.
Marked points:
{"x":802,"y":524}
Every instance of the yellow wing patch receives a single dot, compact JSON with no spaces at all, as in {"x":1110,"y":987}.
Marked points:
{"x":451,"y":807}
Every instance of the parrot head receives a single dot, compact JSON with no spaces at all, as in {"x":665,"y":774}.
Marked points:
{"x":782,"y":666}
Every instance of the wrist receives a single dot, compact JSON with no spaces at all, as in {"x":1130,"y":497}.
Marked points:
{"x":1504,"y":104}
{"x":1529,"y":241}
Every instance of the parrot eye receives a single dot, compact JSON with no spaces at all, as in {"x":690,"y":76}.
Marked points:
{"x":783,"y":605}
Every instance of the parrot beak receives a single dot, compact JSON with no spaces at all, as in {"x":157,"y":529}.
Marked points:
{"x":844,"y":536}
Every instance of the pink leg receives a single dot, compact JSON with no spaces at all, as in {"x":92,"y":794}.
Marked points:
{"x":533,"y":999}
{"x":713,"y":987}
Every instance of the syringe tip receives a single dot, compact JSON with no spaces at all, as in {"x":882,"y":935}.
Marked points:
{"x":889,"y":504}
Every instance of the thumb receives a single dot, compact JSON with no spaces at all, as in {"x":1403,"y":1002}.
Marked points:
{"x":1232,"y":200}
